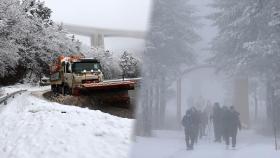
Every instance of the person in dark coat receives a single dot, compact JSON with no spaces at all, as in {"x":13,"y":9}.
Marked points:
{"x":217,"y":122}
{"x":232,"y":124}
{"x":190,"y":124}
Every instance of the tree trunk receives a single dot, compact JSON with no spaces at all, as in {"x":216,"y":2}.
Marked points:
{"x":162,"y":103}
{"x":256,"y":105}
{"x":269,"y":99}
{"x":157,"y":106}
{"x":143,"y":117}
{"x":179,"y":101}
{"x":146,"y":114}
{"x":151,"y":105}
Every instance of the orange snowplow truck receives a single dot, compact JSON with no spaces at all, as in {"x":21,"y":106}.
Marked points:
{"x":76,"y":75}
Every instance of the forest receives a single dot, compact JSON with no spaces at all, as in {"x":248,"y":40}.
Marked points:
{"x":246,"y":46}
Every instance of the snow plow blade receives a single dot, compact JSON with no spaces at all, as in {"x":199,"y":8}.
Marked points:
{"x":108,"y":93}
{"x":109,"y":86}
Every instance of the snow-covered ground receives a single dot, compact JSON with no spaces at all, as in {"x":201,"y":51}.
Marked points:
{"x":171,"y":144}
{"x":17,"y":87}
{"x":34,"y":128}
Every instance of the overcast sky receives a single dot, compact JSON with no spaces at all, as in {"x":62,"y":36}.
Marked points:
{"x":119,"y":14}
{"x":207,"y":30}
{"x":122,"y":14}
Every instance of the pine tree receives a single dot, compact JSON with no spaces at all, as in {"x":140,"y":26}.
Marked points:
{"x":248,"y":42}
{"x":169,"y":47}
{"x":128,"y":64}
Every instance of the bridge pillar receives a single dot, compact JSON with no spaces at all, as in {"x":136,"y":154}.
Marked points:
{"x":97,"y":41}
{"x":241,"y":99}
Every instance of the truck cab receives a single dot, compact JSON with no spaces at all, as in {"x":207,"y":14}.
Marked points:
{"x":83,"y":71}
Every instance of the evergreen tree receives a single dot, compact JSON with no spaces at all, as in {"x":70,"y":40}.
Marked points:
{"x":248,"y":42}
{"x":248,"y":36}
{"x":169,"y":47}
{"x":128,"y":65}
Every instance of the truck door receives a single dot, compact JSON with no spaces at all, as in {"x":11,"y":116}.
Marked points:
{"x":68,"y":74}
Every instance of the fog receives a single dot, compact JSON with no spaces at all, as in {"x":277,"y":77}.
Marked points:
{"x":205,"y":83}
{"x":206,"y":30}
{"x":121,"y":14}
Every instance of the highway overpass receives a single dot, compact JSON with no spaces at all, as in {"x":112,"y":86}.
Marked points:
{"x":97,"y":35}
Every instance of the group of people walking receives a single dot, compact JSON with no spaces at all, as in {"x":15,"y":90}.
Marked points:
{"x":225,"y":121}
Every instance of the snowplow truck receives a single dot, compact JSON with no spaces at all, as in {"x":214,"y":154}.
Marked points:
{"x":76,"y":75}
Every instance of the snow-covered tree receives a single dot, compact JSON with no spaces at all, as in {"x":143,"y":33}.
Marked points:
{"x":109,"y":63}
{"x":248,"y":40}
{"x":128,"y":65}
{"x":172,"y":35}
{"x":248,"y":36}
{"x":8,"y":47}
{"x":29,"y":39}
{"x":169,"y":47}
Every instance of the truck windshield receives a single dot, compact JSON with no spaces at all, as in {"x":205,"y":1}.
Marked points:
{"x":79,"y":67}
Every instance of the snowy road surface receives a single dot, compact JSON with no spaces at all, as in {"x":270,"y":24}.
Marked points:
{"x":13,"y":88}
{"x":1,"y":92}
{"x":34,"y":128}
{"x":169,"y":144}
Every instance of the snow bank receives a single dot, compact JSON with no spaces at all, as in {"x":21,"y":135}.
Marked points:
{"x":170,"y":144}
{"x":32,"y":128}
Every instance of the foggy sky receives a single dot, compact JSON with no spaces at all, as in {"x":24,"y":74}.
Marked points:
{"x":207,"y":30}
{"x":116,"y":14}
{"x":204,"y":82}
{"x":124,"y":14}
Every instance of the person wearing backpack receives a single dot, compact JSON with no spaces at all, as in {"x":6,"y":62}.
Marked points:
{"x":190,"y":124}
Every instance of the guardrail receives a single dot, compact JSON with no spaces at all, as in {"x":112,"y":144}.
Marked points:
{"x":12,"y":95}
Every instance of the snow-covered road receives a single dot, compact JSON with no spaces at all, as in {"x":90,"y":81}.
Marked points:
{"x":34,"y":128}
{"x":170,"y":144}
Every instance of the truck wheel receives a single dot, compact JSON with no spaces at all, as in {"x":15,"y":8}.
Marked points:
{"x":53,"y":88}
{"x":59,"y":89}
{"x":67,"y":90}
{"x":63,"y":90}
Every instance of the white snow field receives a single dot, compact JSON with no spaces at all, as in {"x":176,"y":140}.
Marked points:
{"x":171,"y":144}
{"x":17,"y":87}
{"x":34,"y":128}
